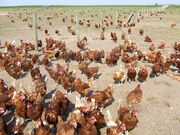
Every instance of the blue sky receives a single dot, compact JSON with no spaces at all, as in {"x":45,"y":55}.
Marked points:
{"x":86,"y":2}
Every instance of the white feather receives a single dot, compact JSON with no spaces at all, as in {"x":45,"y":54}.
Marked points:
{"x":5,"y":50}
{"x":17,"y":121}
{"x":19,"y":63}
{"x":13,"y":83}
{"x":20,"y":85}
{"x":53,"y":95}
{"x":120,"y":102}
{"x":93,"y":100}
{"x":110,"y":122}
{"x":77,"y":111}
{"x":13,"y":42}
{"x":46,"y":79}
{"x":78,"y":102}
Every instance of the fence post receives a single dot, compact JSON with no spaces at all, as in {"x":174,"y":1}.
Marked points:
{"x":129,"y":18}
{"x":77,"y":30}
{"x":35,"y":32}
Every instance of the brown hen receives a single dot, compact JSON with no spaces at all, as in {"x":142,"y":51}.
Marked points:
{"x":134,"y":96}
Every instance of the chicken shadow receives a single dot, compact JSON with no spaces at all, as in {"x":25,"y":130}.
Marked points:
{"x":9,"y":116}
{"x":112,"y":65}
{"x":118,"y":82}
{"x":11,"y":125}
{"x":90,"y":93}
{"x":49,"y":95}
{"x":46,"y":104}
{"x":72,"y":90}
{"x":131,"y":80}
{"x":82,"y":50}
{"x":39,"y":49}
{"x":132,"y":128}
{"x":70,"y":108}
{"x":174,"y":70}
{"x":99,"y":61}
{"x":2,"y":47}
{"x":41,"y":53}
{"x":43,"y":78}
{"x":140,"y":80}
{"x":12,"y":119}
{"x":110,"y":103}
{"x":99,"y":132}
{"x":151,"y":75}
{"x":48,"y":65}
{"x":97,"y":77}
{"x":22,"y":75}
{"x":68,"y":60}
{"x":26,"y":122}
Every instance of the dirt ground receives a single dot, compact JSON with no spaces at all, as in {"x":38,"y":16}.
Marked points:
{"x":159,"y":110}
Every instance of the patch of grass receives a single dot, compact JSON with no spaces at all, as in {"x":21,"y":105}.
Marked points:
{"x":28,"y":6}
{"x":174,"y":6}
{"x":76,"y":6}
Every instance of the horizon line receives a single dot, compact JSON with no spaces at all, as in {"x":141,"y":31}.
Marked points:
{"x":94,"y":5}
{"x":47,"y":5}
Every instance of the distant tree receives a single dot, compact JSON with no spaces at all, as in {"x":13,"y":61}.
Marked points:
{"x":156,"y":4}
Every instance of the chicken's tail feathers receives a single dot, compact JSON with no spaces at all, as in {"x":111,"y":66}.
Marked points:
{"x":91,"y":81}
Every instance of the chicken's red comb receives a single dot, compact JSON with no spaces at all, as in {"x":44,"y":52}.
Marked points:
{"x":22,"y":96}
{"x":85,"y":108}
{"x":61,"y":72}
{"x":93,"y":120}
{"x":28,"y":105}
{"x":78,"y":80}
{"x":36,"y":76}
{"x":34,"y":94}
{"x":65,"y":95}
{"x":39,"y":121}
{"x":123,"y":127}
{"x":10,"y":95}
{"x":1,"y":110}
{"x":135,"y":112}
{"x":89,"y":101}
{"x":73,"y":123}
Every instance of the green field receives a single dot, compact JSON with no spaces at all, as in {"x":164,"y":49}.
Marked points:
{"x":40,"y":6}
